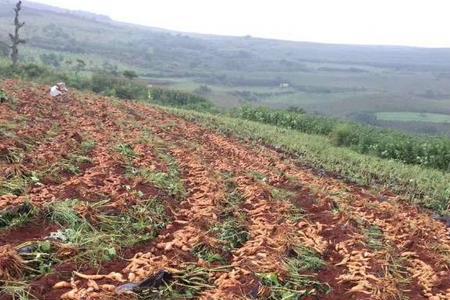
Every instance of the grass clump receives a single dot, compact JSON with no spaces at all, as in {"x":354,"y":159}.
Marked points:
{"x":18,"y":216}
{"x":184,"y":284}
{"x":102,"y":238}
{"x":297,"y":286}
{"x":207,"y":254}
{"x":374,"y":236}
{"x":126,"y":151}
{"x":17,"y":185}
{"x":170,"y":181}
{"x":305,"y":259}
{"x":17,"y":290}
{"x":88,"y":146}
{"x":39,"y":257}
{"x":232,"y":233}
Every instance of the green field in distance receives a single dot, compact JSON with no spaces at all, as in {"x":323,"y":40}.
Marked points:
{"x":413,"y":117}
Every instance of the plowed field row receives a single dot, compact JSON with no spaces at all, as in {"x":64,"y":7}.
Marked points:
{"x":241,"y":221}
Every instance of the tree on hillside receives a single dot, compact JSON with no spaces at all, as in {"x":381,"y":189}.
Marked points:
{"x":130,"y":74}
{"x":80,"y":66}
{"x":15,"y":38}
{"x":4,"y":49}
{"x":51,"y":59}
{"x":110,"y":68}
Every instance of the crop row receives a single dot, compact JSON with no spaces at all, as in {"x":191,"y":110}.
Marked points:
{"x":427,"y":187}
{"x":430,"y":152}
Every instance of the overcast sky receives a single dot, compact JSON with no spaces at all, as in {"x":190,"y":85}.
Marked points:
{"x":395,"y":22}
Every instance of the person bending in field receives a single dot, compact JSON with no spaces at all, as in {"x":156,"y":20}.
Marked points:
{"x":58,"y":90}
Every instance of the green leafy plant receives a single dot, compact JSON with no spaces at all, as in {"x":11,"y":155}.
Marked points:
{"x":126,"y":150}
{"x":207,"y":254}
{"x":305,"y":259}
{"x":388,"y":144}
{"x":18,"y":216}
{"x":232,"y":233}
{"x":374,"y":236}
{"x":104,"y":239}
{"x":17,"y":290}
{"x":39,"y":257}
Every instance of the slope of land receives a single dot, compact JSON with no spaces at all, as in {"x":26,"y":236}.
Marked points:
{"x":346,"y":81}
{"x":100,"y":198}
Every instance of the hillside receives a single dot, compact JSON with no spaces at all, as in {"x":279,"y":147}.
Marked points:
{"x":362,"y":83}
{"x":107,"y":199}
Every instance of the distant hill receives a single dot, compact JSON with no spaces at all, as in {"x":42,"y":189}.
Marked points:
{"x":59,"y":29}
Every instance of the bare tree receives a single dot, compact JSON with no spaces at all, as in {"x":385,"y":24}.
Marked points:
{"x":15,"y":39}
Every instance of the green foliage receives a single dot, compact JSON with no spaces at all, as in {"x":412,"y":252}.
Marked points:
{"x":374,"y":236}
{"x":170,"y":181}
{"x":4,"y":49}
{"x":288,"y":119}
{"x":17,"y":290}
{"x":129,"y":74}
{"x":39,"y":257}
{"x":185,"y":284}
{"x":99,"y":82}
{"x":423,"y":151}
{"x":3,"y":96}
{"x":17,"y":216}
{"x":16,"y":185}
{"x":104,"y":239}
{"x":63,"y":213}
{"x":413,"y":116}
{"x":33,"y":71}
{"x":341,"y":135}
{"x":80,"y":65}
{"x":296,"y":109}
{"x":203,"y":90}
{"x":305,"y":259}
{"x":207,"y":254}
{"x":180,"y":99}
{"x":110,"y":85}
{"x":296,"y":287}
{"x":28,"y":71}
{"x":88,"y":146}
{"x":126,"y":150}
{"x":232,"y":233}
{"x":103,"y":83}
{"x":51,"y":59}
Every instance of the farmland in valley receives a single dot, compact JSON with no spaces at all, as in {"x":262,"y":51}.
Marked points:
{"x":108,"y":199}
{"x":411,"y":117}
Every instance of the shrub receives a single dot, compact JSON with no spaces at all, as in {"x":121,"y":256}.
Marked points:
{"x":342,"y":135}
{"x":112,"y":86}
{"x":130,"y":74}
{"x":33,"y":71}
{"x":180,"y":99}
